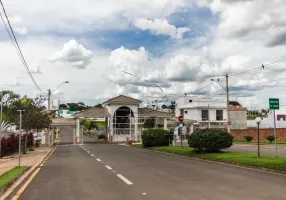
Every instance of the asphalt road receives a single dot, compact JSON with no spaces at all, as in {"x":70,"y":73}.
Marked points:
{"x":67,"y":136}
{"x":105,"y":171}
{"x":264,"y":149}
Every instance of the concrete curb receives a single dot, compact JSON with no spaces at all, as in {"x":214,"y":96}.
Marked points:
{"x":237,"y":165}
{"x":14,"y":186}
{"x":8,"y":185}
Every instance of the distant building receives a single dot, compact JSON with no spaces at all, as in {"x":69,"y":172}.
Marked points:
{"x":209,"y":113}
{"x":238,"y":117}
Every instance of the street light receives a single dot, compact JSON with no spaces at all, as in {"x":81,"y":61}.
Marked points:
{"x":227,"y":98}
{"x":258,"y":120}
{"x":50,"y":93}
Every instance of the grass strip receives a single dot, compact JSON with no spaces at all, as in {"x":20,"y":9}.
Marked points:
{"x":10,"y":175}
{"x":268,"y":162}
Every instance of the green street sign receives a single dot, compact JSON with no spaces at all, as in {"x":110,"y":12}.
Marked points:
{"x":178,"y":123}
{"x":274,"y":104}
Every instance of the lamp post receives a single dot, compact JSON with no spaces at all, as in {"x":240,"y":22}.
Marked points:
{"x":49,"y":108}
{"x":181,"y":133}
{"x":20,"y":135}
{"x":258,"y":120}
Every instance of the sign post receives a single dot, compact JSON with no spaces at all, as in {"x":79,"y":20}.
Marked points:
{"x":274,"y":105}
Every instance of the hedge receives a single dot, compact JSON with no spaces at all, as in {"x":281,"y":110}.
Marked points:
{"x":10,"y":144}
{"x":155,"y":137}
{"x":210,"y":140}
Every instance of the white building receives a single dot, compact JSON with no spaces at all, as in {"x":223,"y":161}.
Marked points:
{"x":208,"y":113}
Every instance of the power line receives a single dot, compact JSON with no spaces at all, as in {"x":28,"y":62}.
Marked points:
{"x":18,"y":47}
{"x":257,"y":68}
{"x":260,"y":82}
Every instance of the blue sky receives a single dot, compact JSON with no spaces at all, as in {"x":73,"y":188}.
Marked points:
{"x":92,"y":43}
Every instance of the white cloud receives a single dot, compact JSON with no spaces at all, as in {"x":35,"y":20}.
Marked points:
{"x":183,"y":68}
{"x":161,"y":27}
{"x":36,"y":69}
{"x":261,"y":20}
{"x":74,"y":54}
{"x":124,"y":60}
{"x":17,"y":24}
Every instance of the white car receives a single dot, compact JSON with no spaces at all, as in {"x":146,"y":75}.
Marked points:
{"x":37,"y":136}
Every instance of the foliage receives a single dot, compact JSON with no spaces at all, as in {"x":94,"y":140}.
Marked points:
{"x":10,"y":144}
{"x":92,"y":125}
{"x":102,"y":136}
{"x":234,"y":103}
{"x":210,"y":140}
{"x":10,"y":175}
{"x":74,"y":106}
{"x":270,"y":138}
{"x":269,"y":162}
{"x":98,"y":106}
{"x":63,"y":107}
{"x":155,"y":137}
{"x":172,"y":106}
{"x":248,"y":138}
{"x":164,"y":106}
{"x":38,"y":142}
{"x":149,"y":123}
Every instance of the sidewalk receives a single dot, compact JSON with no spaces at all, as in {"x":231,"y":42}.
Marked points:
{"x":29,"y":159}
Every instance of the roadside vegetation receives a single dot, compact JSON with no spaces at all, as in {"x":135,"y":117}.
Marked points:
{"x":10,"y":175}
{"x":208,"y":144}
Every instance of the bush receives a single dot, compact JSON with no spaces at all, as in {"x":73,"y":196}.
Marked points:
{"x":270,"y":138}
{"x":155,"y":137}
{"x":149,"y":123}
{"x":38,"y":142}
{"x":102,"y":136}
{"x":248,"y":138}
{"x":210,"y":140}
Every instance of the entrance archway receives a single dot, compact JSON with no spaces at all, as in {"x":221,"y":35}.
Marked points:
{"x":122,"y":121}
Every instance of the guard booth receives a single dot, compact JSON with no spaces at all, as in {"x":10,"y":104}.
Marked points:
{"x":123,"y":118}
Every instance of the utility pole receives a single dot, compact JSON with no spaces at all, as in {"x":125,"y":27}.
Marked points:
{"x":20,"y":135}
{"x":227,"y":102}
{"x":49,"y":99}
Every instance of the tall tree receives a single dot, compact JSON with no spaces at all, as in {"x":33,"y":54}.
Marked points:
{"x":234,"y":103}
{"x":63,"y":106}
{"x":98,"y":106}
{"x":164,"y":106}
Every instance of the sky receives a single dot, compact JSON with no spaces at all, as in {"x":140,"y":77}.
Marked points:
{"x":146,"y":49}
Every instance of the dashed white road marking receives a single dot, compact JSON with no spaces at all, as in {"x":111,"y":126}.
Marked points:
{"x":114,"y":171}
{"x":92,"y":155}
{"x":125,"y":179}
{"x":108,"y":167}
{"x":98,"y":159}
{"x":144,"y":193}
{"x":41,"y":165}
{"x":87,"y":151}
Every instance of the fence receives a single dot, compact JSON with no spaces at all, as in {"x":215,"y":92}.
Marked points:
{"x":239,"y":134}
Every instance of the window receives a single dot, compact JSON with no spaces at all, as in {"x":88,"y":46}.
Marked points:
{"x":190,"y":101}
{"x":186,"y":112}
{"x":181,"y":112}
{"x":205,"y":115}
{"x":219,"y":115}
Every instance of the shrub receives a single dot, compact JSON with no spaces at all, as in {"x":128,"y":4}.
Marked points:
{"x":155,"y":137}
{"x":210,"y":140}
{"x":270,"y":138}
{"x":101,"y":136}
{"x":38,"y":142}
{"x":149,"y":123}
{"x":248,"y":138}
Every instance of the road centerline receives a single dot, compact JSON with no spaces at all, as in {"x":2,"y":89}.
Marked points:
{"x":108,"y":167}
{"x":125,"y":179}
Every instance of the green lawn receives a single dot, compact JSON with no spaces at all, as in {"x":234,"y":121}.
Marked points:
{"x":10,"y":175}
{"x":269,"y":162}
{"x":100,"y":124}
{"x":185,"y":151}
